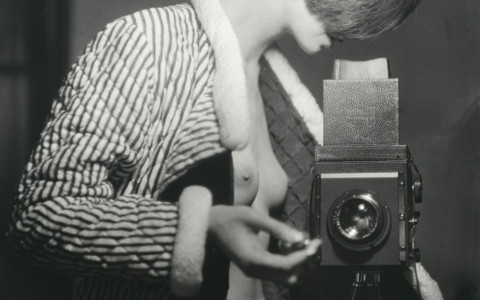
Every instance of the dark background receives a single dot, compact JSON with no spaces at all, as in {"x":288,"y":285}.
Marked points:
{"x":435,"y":55}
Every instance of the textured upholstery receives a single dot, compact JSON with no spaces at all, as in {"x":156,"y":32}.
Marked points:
{"x":294,"y":149}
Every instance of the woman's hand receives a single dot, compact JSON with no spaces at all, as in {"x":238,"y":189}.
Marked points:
{"x":235,"y":230}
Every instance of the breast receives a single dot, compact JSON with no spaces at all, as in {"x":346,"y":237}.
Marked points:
{"x":258,"y":179}
{"x":273,"y":183}
{"x":245,"y":176}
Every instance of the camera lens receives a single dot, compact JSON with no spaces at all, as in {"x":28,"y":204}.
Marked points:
{"x":359,"y":220}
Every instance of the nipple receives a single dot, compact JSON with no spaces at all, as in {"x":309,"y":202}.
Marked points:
{"x":244,"y":166}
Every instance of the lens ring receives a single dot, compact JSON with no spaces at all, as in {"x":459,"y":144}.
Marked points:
{"x":359,"y":220}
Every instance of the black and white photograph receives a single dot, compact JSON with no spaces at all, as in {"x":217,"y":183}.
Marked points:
{"x":240,"y":149}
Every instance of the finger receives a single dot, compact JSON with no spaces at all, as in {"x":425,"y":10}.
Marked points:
{"x":272,"y":273}
{"x":276,"y":228}
{"x":286,"y":263}
{"x":297,"y":275}
{"x":280,"y":268}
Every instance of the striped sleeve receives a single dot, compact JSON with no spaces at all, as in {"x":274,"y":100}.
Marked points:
{"x":67,"y":215}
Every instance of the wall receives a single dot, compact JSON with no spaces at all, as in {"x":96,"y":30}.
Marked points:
{"x":436,"y":56}
{"x":31,"y":57}
{"x":88,"y":17}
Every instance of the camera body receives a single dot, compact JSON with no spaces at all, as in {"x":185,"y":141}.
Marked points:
{"x":363,"y":205}
{"x":365,"y":183}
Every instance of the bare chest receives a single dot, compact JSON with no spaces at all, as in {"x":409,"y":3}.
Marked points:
{"x":259,"y":179}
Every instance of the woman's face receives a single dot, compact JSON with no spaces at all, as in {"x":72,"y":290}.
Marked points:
{"x":307,"y":29}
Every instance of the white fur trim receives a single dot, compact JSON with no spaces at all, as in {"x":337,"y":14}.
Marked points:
{"x":429,"y":288}
{"x":189,"y":249}
{"x":230,"y":86}
{"x":302,"y":99}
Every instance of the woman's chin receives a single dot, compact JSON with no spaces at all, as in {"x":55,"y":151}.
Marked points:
{"x":310,"y":50}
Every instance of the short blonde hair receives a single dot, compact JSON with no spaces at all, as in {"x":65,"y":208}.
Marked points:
{"x":361,"y":19}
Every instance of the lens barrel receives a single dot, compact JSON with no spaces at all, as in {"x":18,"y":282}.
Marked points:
{"x":359,"y":220}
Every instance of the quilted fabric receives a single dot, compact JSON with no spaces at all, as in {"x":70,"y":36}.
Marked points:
{"x":294,"y":148}
{"x":131,"y":117}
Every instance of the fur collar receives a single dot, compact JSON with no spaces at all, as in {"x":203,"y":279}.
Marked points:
{"x":230,"y":86}
{"x":301,"y":98}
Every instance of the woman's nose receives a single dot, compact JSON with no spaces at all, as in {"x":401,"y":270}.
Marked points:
{"x":326,"y":42}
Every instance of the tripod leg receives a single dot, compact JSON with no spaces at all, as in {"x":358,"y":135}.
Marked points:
{"x":373,"y":290}
{"x":354,"y":291}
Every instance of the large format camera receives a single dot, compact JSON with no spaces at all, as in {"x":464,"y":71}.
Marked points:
{"x":365,"y":183}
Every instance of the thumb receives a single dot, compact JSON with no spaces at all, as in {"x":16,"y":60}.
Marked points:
{"x":276,"y":228}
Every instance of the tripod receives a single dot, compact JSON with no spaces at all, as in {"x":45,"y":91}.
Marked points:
{"x":369,"y":280}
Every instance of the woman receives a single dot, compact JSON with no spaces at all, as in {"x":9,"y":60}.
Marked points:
{"x":158,"y":119}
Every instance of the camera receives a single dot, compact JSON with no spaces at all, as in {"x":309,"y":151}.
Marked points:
{"x":365,"y":183}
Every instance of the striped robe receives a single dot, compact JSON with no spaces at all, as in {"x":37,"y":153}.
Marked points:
{"x":138,"y":109}
{"x":132,"y":116}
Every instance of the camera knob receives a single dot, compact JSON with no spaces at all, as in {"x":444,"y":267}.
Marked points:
{"x":417,"y":188}
{"x":414,"y":220}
